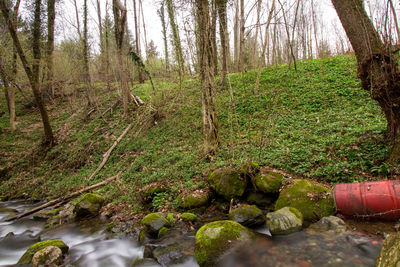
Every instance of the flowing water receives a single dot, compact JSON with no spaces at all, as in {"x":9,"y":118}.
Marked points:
{"x":91,"y":245}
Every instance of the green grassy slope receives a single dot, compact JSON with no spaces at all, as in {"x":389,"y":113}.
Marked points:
{"x":316,"y":122}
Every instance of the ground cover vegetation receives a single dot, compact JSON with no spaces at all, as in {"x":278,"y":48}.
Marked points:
{"x":314,"y":123}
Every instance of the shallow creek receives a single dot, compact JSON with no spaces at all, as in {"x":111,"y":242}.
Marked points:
{"x":91,"y":245}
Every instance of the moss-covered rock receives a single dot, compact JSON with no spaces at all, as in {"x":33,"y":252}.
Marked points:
{"x":153,"y":222}
{"x":49,"y":256}
{"x":329,"y":224}
{"x":146,"y":262}
{"x":213,"y":239}
{"x":171,"y":218}
{"x":390,"y":252}
{"x":228,"y":183}
{"x":27,"y":257}
{"x":247,"y":215}
{"x":193,"y":200}
{"x":53,"y":221}
{"x":8,"y":210}
{"x":152,"y":189}
{"x":313,"y":200}
{"x":44,"y":215}
{"x":163,"y":231}
{"x":260,"y":199}
{"x":284,"y":221}
{"x":144,"y":236}
{"x":89,"y":205}
{"x":189,"y":217}
{"x":268,"y":183}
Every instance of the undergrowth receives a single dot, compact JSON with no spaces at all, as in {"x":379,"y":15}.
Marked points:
{"x":315,"y":123}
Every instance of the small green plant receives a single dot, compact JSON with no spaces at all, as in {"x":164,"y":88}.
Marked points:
{"x":383,"y":169}
{"x":159,"y":200}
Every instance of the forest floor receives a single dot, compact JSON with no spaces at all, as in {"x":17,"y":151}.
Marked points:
{"x":314,"y":123}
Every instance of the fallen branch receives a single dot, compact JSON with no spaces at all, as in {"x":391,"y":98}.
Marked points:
{"x":108,"y":153}
{"x":61,"y":200}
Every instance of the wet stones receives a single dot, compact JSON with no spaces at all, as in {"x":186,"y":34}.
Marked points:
{"x":28,"y":255}
{"x":330,"y":224}
{"x":88,"y":206}
{"x":284,"y":221}
{"x":247,"y":215}
{"x":196,"y":199}
{"x":49,"y":256}
{"x":153,"y":223}
{"x":215,"y":238}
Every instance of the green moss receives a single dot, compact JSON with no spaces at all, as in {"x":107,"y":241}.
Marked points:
{"x":193,"y":200}
{"x":92,"y":198}
{"x":313,"y":200}
{"x":390,"y":252}
{"x":153,"y":189}
{"x":171,"y":218}
{"x":247,"y":215}
{"x":143,"y":235}
{"x":250,"y":169}
{"x":27,"y":257}
{"x":189,"y":217}
{"x":227,"y":183}
{"x":153,"y":222}
{"x":110,"y":226}
{"x":296,"y":212}
{"x":214,"y":238}
{"x":53,"y":221}
{"x":163,"y":231}
{"x":269,"y":183}
{"x":88,"y":205}
{"x":144,"y":262}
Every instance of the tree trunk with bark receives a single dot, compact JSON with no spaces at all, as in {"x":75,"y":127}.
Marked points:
{"x":223,"y":31}
{"x":51,"y":16}
{"x":377,"y":66}
{"x":161,"y":14}
{"x":86,"y":55}
{"x":9,"y":93}
{"x":120,"y":16}
{"x":176,"y":38}
{"x":213,"y":36}
{"x":137,"y":41}
{"x":241,"y":38}
{"x":209,"y":107}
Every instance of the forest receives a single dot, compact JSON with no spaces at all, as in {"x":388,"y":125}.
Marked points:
{"x":188,"y":125}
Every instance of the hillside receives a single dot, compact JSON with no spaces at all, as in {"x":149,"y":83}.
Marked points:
{"x":314,"y":123}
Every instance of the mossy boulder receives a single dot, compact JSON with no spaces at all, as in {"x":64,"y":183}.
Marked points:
{"x":260,"y":199}
{"x":27,"y":257}
{"x":329,"y":224}
{"x":269,"y":182}
{"x":228,"y":183}
{"x":247,"y":215}
{"x":189,"y":217}
{"x":49,"y":256}
{"x":216,"y":238}
{"x":193,"y":200}
{"x":89,"y":205}
{"x":284,"y":221}
{"x":53,"y":221}
{"x":390,"y":252}
{"x":152,"y":189}
{"x":313,"y":200}
{"x":146,"y":262}
{"x":144,"y":236}
{"x":171,"y":218}
{"x":153,"y":222}
{"x":163,"y":231}
{"x":44,"y":215}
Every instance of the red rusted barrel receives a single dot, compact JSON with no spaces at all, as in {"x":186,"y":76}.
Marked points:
{"x":379,"y":200}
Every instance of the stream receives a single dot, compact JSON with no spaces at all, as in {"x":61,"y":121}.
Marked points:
{"x":91,"y":245}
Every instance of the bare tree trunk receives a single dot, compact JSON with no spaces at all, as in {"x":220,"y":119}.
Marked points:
{"x":176,"y":39}
{"x":137,"y":41}
{"x":223,"y":31}
{"x":78,"y":24}
{"x":107,"y":47}
{"x":101,"y":37}
{"x":213,"y":36}
{"x":396,"y":23}
{"x":261,"y":59}
{"x":9,"y":96}
{"x":86,"y":55}
{"x":51,"y":16}
{"x":33,"y":75}
{"x":209,"y":112}
{"x":241,"y":37}
{"x":161,"y":14}
{"x":377,"y":67}
{"x":120,"y":16}
{"x":236,"y":34}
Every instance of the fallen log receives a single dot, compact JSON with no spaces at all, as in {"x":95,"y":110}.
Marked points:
{"x":61,"y":200}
